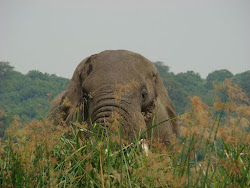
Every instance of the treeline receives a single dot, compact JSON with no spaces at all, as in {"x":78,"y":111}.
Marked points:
{"x":183,"y":85}
{"x":29,"y":96}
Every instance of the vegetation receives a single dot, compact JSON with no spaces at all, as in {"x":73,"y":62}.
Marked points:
{"x":212,"y":150}
{"x":27,"y":96}
{"x":183,"y":85}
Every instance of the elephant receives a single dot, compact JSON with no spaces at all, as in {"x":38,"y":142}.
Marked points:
{"x":118,"y":82}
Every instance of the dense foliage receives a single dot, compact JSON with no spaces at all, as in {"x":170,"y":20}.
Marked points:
{"x":28,"y":96}
{"x":183,"y":85}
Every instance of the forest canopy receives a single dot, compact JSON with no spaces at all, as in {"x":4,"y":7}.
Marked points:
{"x":26,"y":95}
{"x":29,"y":95}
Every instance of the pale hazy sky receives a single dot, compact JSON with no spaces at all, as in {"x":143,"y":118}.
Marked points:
{"x":53,"y":36}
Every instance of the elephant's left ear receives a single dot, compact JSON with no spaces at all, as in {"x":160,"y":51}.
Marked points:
{"x":71,"y":101}
{"x":75,"y":88}
{"x":166,"y":108}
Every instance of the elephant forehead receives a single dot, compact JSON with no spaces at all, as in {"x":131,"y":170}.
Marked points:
{"x":114,"y":72}
{"x":111,"y":64}
{"x":113,"y":77}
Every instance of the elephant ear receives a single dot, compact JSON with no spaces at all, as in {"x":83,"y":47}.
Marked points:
{"x":70,"y":103}
{"x":164,"y":107}
{"x":55,"y":108}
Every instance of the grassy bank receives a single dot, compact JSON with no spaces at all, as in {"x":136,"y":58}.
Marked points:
{"x":212,"y":150}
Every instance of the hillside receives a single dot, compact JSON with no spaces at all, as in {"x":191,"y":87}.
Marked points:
{"x":29,"y":95}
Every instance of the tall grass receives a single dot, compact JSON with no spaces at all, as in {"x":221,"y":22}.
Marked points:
{"x":212,"y":150}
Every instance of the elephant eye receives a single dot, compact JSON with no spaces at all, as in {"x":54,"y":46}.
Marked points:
{"x":85,"y":93}
{"x":144,"y":94}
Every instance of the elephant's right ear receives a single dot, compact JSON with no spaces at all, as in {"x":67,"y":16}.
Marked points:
{"x":56,"y":107}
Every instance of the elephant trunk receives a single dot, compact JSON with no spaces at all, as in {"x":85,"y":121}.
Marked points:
{"x":109,"y":110}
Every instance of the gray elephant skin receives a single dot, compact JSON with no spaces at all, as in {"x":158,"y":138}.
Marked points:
{"x":118,"y":82}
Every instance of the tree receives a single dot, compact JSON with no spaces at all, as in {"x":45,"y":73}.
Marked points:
{"x":218,"y":77}
{"x":192,"y":83}
{"x":5,"y":69}
{"x":162,"y":69}
{"x":176,"y":93}
{"x":27,"y":96}
{"x":242,"y":80}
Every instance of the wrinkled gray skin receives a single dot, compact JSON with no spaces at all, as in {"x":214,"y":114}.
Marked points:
{"x":118,"y":81}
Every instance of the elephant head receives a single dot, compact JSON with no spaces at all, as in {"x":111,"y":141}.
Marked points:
{"x":118,"y":82}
